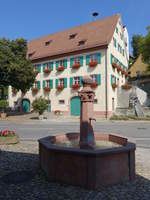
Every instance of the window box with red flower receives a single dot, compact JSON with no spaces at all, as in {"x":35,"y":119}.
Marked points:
{"x":47,"y":70}
{"x":114,"y":65}
{"x":126,"y":74}
{"x":76,"y":65}
{"x":75,"y":86}
{"x":35,"y":90}
{"x":47,"y":89}
{"x":14,"y":91}
{"x":60,"y":87}
{"x":122,"y":71}
{"x":36,"y":72}
{"x":114,"y":85}
{"x":118,"y":68}
{"x":126,"y":86}
{"x":93,"y":63}
{"x":94,"y":85}
{"x":60,"y":68}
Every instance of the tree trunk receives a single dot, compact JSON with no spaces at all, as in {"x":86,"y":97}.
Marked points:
{"x":21,"y":98}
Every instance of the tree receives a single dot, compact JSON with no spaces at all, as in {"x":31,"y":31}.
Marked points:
{"x":146,"y":48}
{"x":39,"y":105}
{"x":16,"y":70}
{"x":137,"y":43}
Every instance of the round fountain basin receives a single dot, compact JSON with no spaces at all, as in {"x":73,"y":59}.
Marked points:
{"x":111,"y":161}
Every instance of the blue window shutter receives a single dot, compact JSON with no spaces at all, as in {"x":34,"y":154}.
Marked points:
{"x":87,"y":59}
{"x":57,"y":63}
{"x":65,"y":63}
{"x":115,"y":43}
{"x":81,"y":80}
{"x":38,"y":85}
{"x":99,"y":79}
{"x":111,"y":56}
{"x":51,"y":64}
{"x":99,"y":58}
{"x":56,"y":83}
{"x":111,"y":79}
{"x":71,"y":82}
{"x":39,"y":68}
{"x":65,"y":82}
{"x":71,"y":62}
{"x":81,"y":60}
{"x":116,"y":60}
{"x":43,"y":84}
{"x":51,"y":84}
{"x":43,"y":67}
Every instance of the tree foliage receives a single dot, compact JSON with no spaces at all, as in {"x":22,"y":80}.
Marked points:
{"x":137,"y":43}
{"x":146,"y":48}
{"x":39,"y":105}
{"x":3,"y":104}
{"x":15,"y":69}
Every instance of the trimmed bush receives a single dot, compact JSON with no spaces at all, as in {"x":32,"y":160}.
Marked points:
{"x":39,"y":105}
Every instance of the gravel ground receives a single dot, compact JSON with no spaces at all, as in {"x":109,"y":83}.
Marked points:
{"x":24,"y":156}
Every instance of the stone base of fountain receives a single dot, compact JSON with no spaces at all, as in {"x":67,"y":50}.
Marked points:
{"x":87,"y":168}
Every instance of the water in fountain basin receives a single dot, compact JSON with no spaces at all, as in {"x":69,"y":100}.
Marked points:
{"x":100,"y":144}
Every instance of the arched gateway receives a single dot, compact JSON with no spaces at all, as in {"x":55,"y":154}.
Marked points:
{"x":25,"y":105}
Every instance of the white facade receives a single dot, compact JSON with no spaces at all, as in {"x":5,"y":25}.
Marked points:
{"x":106,"y":96}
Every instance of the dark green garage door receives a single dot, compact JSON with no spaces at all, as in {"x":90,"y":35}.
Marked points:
{"x":75,"y":106}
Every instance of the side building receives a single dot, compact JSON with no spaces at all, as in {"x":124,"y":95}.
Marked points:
{"x":60,"y":60}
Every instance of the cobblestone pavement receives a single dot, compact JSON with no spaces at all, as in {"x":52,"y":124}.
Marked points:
{"x":24,"y":156}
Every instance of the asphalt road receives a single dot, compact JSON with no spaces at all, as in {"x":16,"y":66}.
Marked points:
{"x":33,"y":130}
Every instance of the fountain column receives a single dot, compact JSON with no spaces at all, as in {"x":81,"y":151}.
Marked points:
{"x":87,"y":140}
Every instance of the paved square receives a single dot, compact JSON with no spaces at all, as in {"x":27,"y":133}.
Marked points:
{"x":24,"y":156}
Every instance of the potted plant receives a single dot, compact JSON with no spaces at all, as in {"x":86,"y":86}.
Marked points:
{"x":8,"y":137}
{"x":3,"y":105}
{"x":93,"y":63}
{"x":39,"y":105}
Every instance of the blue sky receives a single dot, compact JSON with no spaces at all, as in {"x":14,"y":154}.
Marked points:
{"x":35,"y":18}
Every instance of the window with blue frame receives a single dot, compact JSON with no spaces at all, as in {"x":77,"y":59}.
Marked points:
{"x":61,"y":63}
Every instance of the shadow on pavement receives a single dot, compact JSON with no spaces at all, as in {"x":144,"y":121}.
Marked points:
{"x":38,"y":187}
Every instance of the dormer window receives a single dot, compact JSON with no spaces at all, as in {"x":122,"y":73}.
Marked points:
{"x":72,"y":36}
{"x":48,"y":42}
{"x":81,"y":42}
{"x":30,"y":55}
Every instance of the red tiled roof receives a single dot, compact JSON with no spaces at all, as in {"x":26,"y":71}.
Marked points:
{"x":96,"y":33}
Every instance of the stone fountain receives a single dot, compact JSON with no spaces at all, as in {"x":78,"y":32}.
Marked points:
{"x":87,"y":159}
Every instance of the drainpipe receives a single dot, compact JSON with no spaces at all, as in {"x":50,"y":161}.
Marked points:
{"x":106,"y":90}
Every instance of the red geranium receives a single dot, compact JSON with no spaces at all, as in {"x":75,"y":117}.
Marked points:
{"x":7,"y":133}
